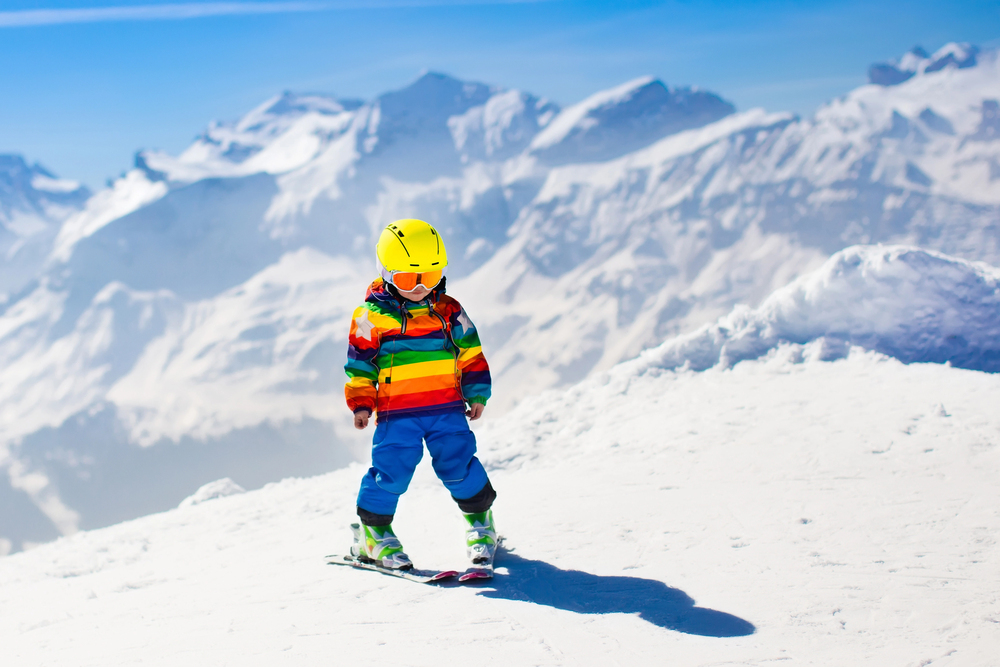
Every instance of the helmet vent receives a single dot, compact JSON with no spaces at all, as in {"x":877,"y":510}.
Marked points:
{"x":399,"y":237}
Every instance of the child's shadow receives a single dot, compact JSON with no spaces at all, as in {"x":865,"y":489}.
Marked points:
{"x":584,"y":593}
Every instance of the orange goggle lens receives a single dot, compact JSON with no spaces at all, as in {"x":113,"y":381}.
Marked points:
{"x":408,"y":281}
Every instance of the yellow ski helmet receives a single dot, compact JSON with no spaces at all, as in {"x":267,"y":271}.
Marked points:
{"x":411,"y":246}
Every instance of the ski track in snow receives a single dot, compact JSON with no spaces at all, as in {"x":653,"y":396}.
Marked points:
{"x":782,"y":510}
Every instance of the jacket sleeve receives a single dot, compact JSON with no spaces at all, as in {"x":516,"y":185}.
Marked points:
{"x":472,"y":364}
{"x":362,"y":373}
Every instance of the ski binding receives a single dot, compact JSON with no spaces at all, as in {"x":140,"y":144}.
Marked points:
{"x":482,"y":568}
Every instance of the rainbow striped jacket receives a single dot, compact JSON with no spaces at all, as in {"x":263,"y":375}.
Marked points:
{"x":413,"y":358}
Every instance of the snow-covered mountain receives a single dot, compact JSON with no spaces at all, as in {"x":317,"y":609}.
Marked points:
{"x":615,"y":122}
{"x":194,"y":314}
{"x":617,"y":255}
{"x":33,"y":204}
{"x":918,"y":61}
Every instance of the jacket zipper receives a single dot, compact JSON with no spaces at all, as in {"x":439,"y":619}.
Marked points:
{"x":392,"y":357}
{"x":454,"y":353}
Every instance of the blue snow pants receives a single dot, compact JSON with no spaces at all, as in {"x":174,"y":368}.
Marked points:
{"x":398,"y":447}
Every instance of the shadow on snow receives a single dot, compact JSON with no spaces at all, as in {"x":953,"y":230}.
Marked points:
{"x":584,"y":593}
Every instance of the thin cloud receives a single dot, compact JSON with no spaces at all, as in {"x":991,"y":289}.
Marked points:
{"x":191,"y":10}
{"x":187,"y":10}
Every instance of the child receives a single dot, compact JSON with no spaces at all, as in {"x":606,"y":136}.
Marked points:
{"x":414,"y":359}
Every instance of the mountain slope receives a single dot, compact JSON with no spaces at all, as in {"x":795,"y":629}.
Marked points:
{"x":615,"y":122}
{"x":33,"y":204}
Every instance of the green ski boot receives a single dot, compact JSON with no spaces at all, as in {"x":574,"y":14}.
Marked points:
{"x":379,"y":545}
{"x":481,"y":537}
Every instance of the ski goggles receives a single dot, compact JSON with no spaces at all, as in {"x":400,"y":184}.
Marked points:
{"x":407,"y":281}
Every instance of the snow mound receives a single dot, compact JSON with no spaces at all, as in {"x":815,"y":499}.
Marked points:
{"x":217,"y":489}
{"x":912,"y":304}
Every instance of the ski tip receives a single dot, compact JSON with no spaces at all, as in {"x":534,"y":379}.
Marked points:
{"x":476,"y":576}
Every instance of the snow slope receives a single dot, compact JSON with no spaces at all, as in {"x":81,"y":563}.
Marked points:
{"x":784,"y":509}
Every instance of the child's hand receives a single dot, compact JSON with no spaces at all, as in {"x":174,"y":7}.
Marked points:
{"x":475,"y":411}
{"x":361,"y":419}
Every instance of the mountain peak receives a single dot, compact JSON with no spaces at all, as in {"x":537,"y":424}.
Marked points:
{"x":917,"y":61}
{"x":292,"y":105}
{"x":435,"y":94}
{"x":21,"y":183}
{"x":33,"y":205}
{"x":418,"y":114}
{"x":618,"y":120}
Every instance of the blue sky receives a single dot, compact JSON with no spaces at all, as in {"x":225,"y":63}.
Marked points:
{"x":89,"y":83}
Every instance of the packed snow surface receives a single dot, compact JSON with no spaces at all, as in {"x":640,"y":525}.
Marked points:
{"x":785,"y":509}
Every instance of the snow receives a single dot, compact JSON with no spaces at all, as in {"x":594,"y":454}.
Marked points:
{"x":267,"y":350}
{"x":934,"y":118}
{"x":33,"y":204}
{"x":913,"y":304}
{"x":817,"y":512}
{"x":561,"y":180}
{"x":50,"y":184}
{"x":220,"y":488}
{"x":576,"y":116}
{"x":501,"y":127}
{"x":299,"y":189}
{"x":127,"y":194}
{"x":622,"y":119}
{"x":916,"y":63}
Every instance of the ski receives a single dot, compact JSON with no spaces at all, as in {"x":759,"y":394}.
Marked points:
{"x":414,"y":575}
{"x":477,"y":573}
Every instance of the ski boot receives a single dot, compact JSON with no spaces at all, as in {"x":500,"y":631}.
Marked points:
{"x":481,"y":537}
{"x":379,"y":545}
